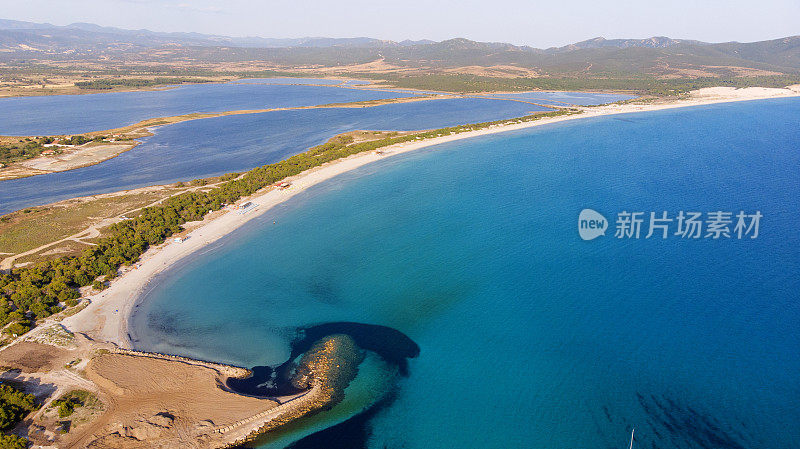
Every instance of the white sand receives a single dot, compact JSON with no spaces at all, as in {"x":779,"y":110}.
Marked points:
{"x":76,"y":158}
{"x":106,"y":318}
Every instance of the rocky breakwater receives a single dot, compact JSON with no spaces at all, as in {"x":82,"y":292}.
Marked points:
{"x":324,"y":372}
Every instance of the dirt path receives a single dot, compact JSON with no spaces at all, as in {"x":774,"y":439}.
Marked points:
{"x":92,"y":231}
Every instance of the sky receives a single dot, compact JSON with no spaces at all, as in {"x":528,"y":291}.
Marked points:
{"x":535,"y":23}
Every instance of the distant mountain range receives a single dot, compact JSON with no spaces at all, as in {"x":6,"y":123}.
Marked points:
{"x":660,"y":56}
{"x":600,"y":42}
{"x":48,"y":35}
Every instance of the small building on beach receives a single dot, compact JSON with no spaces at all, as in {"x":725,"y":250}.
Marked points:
{"x":245,"y":207}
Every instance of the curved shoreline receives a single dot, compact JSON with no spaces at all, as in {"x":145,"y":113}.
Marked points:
{"x":107,"y":317}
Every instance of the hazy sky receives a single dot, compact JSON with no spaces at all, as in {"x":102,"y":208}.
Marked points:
{"x":536,"y":23}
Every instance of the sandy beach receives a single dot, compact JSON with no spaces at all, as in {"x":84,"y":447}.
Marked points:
{"x":107,"y":316}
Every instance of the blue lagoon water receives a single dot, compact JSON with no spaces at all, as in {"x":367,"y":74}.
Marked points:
{"x":288,"y":81}
{"x":74,"y":114}
{"x":209,"y":147}
{"x":565,"y":98}
{"x":529,"y":336}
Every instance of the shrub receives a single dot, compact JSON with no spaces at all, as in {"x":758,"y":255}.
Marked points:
{"x":12,"y":442}
{"x":14,"y":405}
{"x":69,"y":402}
{"x":18,"y":328}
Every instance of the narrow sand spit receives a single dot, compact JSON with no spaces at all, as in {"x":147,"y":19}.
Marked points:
{"x":106,"y":318}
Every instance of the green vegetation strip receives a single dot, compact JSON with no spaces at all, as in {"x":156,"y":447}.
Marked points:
{"x":39,"y":290}
{"x":106,"y":84}
{"x":638,"y":84}
{"x":28,"y":148}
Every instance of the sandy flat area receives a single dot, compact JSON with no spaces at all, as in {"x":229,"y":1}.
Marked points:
{"x":106,"y":318}
{"x":18,"y":171}
{"x":76,"y":158}
{"x":145,"y":400}
{"x":154,"y":402}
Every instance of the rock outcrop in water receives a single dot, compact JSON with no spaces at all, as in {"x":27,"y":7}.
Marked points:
{"x":389,"y":347}
{"x":325,"y":370}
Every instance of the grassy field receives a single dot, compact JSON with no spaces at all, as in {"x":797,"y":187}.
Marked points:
{"x":36,"y":226}
{"x":65,"y":248}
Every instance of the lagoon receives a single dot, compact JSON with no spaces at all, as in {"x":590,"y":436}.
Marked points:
{"x":214,"y":146}
{"x":312,"y":81}
{"x":75,"y":114}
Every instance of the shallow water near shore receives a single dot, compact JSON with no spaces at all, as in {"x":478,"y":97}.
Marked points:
{"x":529,"y":336}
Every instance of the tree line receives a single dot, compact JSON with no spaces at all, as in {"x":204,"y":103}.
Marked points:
{"x":648,"y":85}
{"x":106,"y":84}
{"x":31,"y":147}
{"x":14,"y":406}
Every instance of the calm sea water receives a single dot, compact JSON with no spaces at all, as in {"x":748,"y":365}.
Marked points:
{"x":74,"y":114}
{"x":529,"y":336}
{"x":209,"y":147}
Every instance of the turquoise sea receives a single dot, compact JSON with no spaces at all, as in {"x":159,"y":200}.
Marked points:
{"x":528,"y":336}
